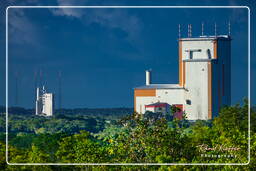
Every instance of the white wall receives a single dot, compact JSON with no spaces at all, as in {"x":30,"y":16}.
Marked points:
{"x":48,"y":104}
{"x":204,"y":45}
{"x":196,"y":77}
{"x":170,"y":96}
{"x":196,"y":82}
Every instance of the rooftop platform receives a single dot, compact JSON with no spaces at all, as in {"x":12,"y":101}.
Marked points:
{"x":218,"y":37}
{"x":160,"y":86}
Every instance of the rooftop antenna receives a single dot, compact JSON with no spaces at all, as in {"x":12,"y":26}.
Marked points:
{"x":60,"y":100}
{"x":215,"y":29}
{"x":202,"y":28}
{"x":179,"y":32}
{"x":229,"y":28}
{"x":190,"y":30}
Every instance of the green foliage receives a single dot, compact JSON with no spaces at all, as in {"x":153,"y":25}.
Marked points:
{"x":150,"y":138}
{"x":81,"y":148}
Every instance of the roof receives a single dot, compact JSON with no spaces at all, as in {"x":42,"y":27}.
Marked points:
{"x":219,"y":37}
{"x":158,"y":104}
{"x":160,"y":86}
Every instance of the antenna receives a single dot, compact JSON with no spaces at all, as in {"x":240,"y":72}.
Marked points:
{"x":60,"y":96}
{"x":40,"y":79}
{"x":202,"y":28}
{"x":35,"y":89}
{"x":35,"y":83}
{"x":215,"y":29}
{"x":16,"y":89}
{"x":179,"y":31}
{"x":229,"y":28}
{"x":190,"y":30}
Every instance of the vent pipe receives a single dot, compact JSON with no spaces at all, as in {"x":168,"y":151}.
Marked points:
{"x":148,"y":77}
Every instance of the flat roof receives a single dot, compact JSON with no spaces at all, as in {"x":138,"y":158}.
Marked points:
{"x":160,"y":86}
{"x":158,"y":104}
{"x":219,"y":37}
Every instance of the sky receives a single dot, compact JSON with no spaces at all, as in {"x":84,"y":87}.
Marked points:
{"x":102,"y":54}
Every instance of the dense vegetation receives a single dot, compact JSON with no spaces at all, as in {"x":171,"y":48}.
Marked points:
{"x":153,"y":138}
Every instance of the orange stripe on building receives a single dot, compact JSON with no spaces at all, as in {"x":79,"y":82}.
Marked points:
{"x":209,"y":90}
{"x":180,"y":64}
{"x":143,"y":93}
{"x":183,"y":73}
{"x":215,"y":49}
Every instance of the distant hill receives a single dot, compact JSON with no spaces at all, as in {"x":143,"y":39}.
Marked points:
{"x":81,"y":111}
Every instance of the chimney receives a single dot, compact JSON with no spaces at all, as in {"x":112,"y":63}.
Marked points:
{"x":148,"y":77}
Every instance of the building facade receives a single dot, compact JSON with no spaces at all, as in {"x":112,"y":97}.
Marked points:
{"x":44,"y":102}
{"x":204,"y":79}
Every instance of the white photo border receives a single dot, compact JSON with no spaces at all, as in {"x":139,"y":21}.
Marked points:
{"x":97,"y":164}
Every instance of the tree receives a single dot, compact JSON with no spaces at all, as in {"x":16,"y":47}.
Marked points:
{"x":81,"y":148}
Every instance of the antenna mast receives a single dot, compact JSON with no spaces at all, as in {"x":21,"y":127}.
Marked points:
{"x":202,"y":28}
{"x":60,"y":95}
{"x":16,"y":88}
{"x":215,"y":29}
{"x":179,"y":32}
{"x":190,"y":30}
{"x":229,"y":28}
{"x":40,"y":78}
{"x":35,"y":83}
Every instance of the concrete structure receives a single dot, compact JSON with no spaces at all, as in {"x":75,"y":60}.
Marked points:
{"x":44,"y":102}
{"x":204,"y":79}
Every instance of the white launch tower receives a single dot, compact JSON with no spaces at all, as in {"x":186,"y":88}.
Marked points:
{"x":44,"y":102}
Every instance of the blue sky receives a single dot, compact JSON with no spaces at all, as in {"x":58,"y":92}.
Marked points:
{"x":103,"y":53}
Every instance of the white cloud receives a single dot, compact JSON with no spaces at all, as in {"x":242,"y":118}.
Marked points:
{"x":109,"y":18}
{"x":115,"y":18}
{"x":69,"y":12}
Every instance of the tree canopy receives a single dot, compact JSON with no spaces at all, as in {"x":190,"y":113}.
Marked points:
{"x":135,"y":138}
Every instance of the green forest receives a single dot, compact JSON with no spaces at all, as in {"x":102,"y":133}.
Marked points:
{"x":120,"y":136}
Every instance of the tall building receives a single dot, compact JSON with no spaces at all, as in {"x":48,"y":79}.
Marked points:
{"x":44,"y":102}
{"x":204,"y":79}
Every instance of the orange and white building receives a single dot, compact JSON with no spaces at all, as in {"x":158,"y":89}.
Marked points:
{"x":204,"y":79}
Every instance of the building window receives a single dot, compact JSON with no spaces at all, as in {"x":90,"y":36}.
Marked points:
{"x":188,"y":102}
{"x":209,"y":54}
